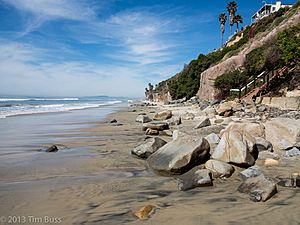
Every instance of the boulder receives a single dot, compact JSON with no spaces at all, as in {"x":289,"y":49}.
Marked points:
{"x":166,"y":133}
{"x":188,"y":116}
{"x":263,"y":145}
{"x":209,"y":111}
{"x":150,"y":131}
{"x":236,"y":147}
{"x":143,"y":119}
{"x":213,"y":138}
{"x":286,"y":182}
{"x":219,"y":169}
{"x":175,"y":120}
{"x":164,"y":115}
{"x":148,"y":148}
{"x":113,"y":121}
{"x":292,"y":152}
{"x":156,"y":125}
{"x":210,"y":129}
{"x":282,"y":132}
{"x":259,"y":188}
{"x":196,"y":177}
{"x":52,"y":148}
{"x":204,"y":122}
{"x":180,"y":155}
{"x":265,"y":155}
{"x":255,"y":129}
{"x":177,"y":133}
{"x":253,"y":171}
{"x":223,"y":108}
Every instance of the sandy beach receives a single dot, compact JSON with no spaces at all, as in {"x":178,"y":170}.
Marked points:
{"x":97,"y":181}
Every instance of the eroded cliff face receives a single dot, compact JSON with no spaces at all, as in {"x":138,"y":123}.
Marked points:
{"x":207,"y":91}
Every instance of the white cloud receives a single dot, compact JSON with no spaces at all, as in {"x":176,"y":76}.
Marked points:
{"x":19,"y":75}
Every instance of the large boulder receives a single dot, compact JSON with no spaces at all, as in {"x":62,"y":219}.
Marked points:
{"x":282,"y":132}
{"x":253,"y":128}
{"x":196,"y":177}
{"x":143,"y":119}
{"x":259,"y":188}
{"x":219,"y":169}
{"x":180,"y":155}
{"x":204,"y":122}
{"x":148,"y":148}
{"x":164,"y":115}
{"x":156,"y":125}
{"x":236,"y":147}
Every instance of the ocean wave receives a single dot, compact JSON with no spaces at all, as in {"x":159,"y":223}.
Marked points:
{"x":36,"y":99}
{"x":37,"y":109}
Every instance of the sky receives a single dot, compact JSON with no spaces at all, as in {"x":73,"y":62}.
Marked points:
{"x":104,"y":47}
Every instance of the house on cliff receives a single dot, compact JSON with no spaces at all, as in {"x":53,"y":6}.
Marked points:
{"x":267,"y":9}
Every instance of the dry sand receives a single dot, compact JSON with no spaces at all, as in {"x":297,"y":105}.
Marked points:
{"x":101,"y":183}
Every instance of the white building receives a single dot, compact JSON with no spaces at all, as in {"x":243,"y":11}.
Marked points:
{"x":267,"y":9}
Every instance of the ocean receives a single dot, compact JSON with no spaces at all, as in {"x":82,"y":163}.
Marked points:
{"x":28,"y":123}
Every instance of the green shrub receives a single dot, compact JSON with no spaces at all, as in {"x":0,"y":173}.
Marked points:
{"x":288,"y":42}
{"x":230,"y":80}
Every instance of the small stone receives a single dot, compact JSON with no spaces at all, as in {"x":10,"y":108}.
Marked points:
{"x":271,"y":162}
{"x":52,"y":148}
{"x":219,"y":121}
{"x":150,"y":131}
{"x":293,"y":152}
{"x":263,"y":145}
{"x":117,"y":124}
{"x":253,"y":171}
{"x":113,"y":121}
{"x":145,"y":212}
{"x":166,"y":133}
{"x":286,"y":182}
{"x":143,"y":119}
{"x":175,"y":120}
{"x":204,"y":122}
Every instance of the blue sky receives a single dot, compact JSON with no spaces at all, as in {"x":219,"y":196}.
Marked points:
{"x":104,"y":47}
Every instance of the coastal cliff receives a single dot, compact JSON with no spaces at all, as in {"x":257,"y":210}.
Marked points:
{"x":199,"y":76}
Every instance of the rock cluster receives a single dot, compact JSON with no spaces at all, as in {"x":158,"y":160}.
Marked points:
{"x":217,"y":141}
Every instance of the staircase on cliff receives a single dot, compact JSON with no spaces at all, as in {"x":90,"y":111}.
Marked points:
{"x":260,"y":83}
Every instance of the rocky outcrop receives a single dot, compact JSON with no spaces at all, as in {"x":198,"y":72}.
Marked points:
{"x":207,"y":90}
{"x":180,"y":155}
{"x":196,"y":177}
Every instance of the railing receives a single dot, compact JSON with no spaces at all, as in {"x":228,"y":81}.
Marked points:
{"x":264,"y":77}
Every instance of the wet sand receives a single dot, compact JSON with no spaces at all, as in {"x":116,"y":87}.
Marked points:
{"x":96,"y":181}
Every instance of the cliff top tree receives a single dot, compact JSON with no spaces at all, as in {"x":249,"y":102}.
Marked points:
{"x":222,"y":20}
{"x":237,"y":20}
{"x":231,"y":8}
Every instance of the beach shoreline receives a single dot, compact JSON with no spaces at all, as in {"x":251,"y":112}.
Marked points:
{"x":102,"y":183}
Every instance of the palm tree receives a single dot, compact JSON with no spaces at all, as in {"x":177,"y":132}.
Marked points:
{"x":222,"y":20}
{"x":231,"y":8}
{"x":237,"y":20}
